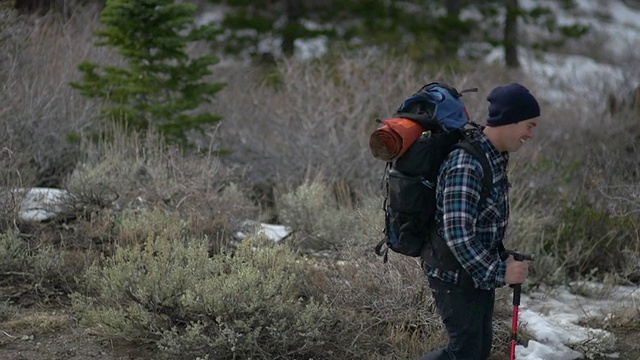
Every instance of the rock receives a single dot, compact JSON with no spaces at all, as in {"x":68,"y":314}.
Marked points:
{"x":41,"y":204}
{"x":273,"y":232}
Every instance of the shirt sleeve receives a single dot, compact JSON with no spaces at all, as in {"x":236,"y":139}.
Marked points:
{"x":502,"y":270}
{"x":461,"y":195}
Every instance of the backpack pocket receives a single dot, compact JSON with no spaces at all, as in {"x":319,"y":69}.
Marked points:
{"x":406,"y":193}
{"x":407,"y":213}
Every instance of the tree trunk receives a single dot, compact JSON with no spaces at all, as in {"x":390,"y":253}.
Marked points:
{"x":452,"y":44}
{"x":33,"y":6}
{"x":453,"y":8}
{"x":511,"y":34}
{"x":294,"y":10}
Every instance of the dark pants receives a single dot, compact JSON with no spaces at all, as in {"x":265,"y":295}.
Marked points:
{"x":467,"y":314}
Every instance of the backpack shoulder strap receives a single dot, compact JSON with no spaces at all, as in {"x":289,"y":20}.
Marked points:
{"x":439,"y":254}
{"x":487,"y":180}
{"x":474,"y":149}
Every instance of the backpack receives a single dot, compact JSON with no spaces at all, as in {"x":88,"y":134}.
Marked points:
{"x":426,"y":127}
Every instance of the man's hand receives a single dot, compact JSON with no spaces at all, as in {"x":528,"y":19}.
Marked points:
{"x":517,"y":271}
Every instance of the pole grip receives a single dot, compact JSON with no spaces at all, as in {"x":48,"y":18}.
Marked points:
{"x":517,"y":290}
{"x":516,"y":256}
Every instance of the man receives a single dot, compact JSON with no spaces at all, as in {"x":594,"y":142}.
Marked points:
{"x":471,"y":229}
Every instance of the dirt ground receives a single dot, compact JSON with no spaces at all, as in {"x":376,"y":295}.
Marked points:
{"x":32,"y":331}
{"x":628,"y":343}
{"x":67,"y":342}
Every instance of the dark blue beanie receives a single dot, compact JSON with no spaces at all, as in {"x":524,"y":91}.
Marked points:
{"x":510,"y":104}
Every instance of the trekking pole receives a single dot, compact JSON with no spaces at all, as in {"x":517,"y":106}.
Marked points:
{"x":517,"y":289}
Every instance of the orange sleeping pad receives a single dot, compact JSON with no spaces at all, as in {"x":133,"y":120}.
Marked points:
{"x":393,"y":138}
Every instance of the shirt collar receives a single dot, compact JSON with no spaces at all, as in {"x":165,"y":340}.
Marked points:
{"x":495,"y":157}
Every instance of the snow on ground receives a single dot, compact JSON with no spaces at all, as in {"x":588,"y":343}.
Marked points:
{"x":567,"y":78}
{"x":622,"y":26}
{"x":555,"y":318}
{"x":273,"y":232}
{"x":561,"y":77}
{"x":613,"y":18}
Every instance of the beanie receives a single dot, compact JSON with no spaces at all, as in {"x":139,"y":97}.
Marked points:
{"x":510,"y":104}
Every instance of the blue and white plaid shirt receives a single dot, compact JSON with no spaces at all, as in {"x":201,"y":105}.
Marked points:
{"x":473,"y":231}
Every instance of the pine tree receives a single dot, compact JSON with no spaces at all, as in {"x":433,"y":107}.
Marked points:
{"x":394,"y":24}
{"x":161,"y":86}
{"x":549,"y":31}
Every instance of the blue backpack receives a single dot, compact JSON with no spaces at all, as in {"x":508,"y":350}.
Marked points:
{"x":410,"y":180}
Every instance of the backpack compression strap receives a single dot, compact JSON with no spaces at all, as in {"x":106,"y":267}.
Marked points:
{"x":451,"y":89}
{"x":382,"y":249}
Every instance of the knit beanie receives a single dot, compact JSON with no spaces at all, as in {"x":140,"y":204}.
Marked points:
{"x":510,"y":104}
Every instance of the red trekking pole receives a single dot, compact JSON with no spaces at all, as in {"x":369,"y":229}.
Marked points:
{"x":517,"y":289}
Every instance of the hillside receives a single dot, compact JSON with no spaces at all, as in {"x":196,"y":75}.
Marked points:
{"x":141,"y":258}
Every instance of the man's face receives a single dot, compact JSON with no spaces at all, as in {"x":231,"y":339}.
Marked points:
{"x":515,"y":135}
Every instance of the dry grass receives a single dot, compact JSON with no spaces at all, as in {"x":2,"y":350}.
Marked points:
{"x":37,"y":323}
{"x":37,"y":101}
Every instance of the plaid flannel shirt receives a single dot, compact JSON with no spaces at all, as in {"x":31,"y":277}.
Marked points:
{"x":473,"y":231}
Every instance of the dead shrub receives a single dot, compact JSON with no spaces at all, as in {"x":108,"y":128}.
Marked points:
{"x":390,"y":303}
{"x":138,"y":172}
{"x":255,"y":303}
{"x":40,"y":56}
{"x":39,"y":267}
{"x":318,"y":216}
{"x":322,"y":128}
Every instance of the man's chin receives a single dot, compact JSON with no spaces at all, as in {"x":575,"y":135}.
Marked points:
{"x":516,"y":147}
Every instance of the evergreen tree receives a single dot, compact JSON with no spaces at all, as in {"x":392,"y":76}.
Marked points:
{"x":161,"y":86}
{"x":510,"y":38}
{"x":416,"y":27}
{"x":422,"y":29}
{"x":248,"y":24}
{"x":549,"y":33}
